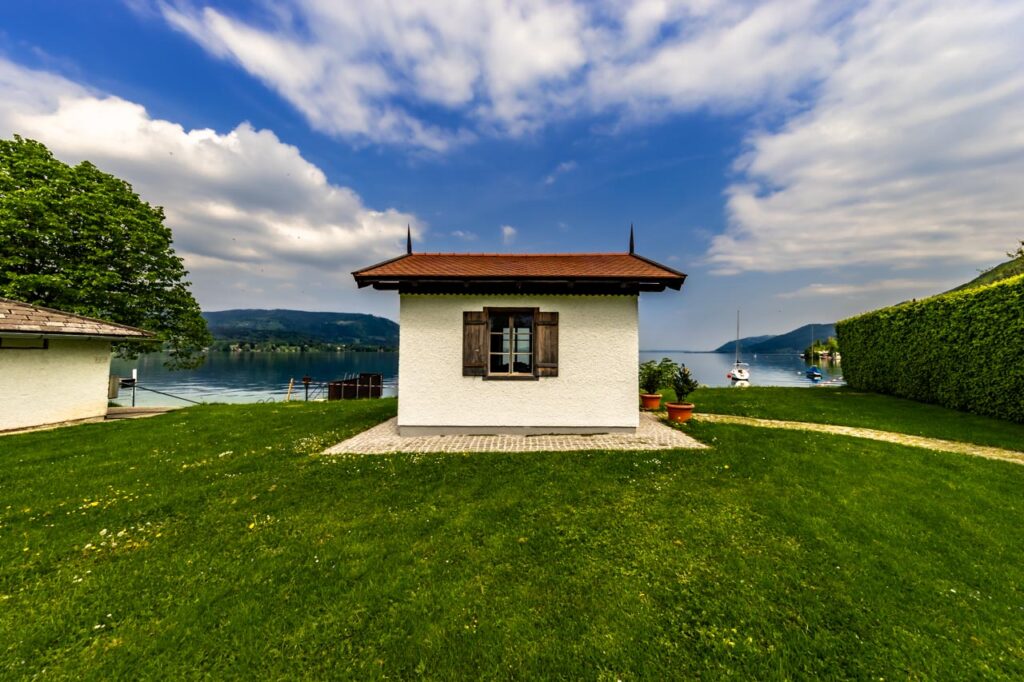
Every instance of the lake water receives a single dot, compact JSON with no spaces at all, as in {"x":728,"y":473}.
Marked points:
{"x":785,"y":369}
{"x":252,"y":377}
{"x":248,"y":377}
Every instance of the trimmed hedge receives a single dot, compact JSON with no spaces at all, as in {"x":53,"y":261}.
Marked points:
{"x":963,"y":350}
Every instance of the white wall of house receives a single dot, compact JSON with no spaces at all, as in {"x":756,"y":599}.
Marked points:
{"x":66,"y":381}
{"x":596,"y":386}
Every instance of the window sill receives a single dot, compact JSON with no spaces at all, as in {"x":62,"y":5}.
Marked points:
{"x":510,"y":377}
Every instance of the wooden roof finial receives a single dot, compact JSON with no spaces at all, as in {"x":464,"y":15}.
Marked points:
{"x":632,"y":248}
{"x":408,"y":239}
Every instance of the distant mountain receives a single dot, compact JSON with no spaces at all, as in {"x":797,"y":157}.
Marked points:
{"x":1001,"y":271}
{"x":298,"y":327}
{"x":745,"y":342}
{"x":790,"y":342}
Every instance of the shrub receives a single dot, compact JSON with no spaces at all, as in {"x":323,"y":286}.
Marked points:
{"x":654,"y":375}
{"x":683,"y":382}
{"x":963,"y":349}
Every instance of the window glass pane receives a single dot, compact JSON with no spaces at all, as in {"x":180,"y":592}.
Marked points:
{"x":499,"y":364}
{"x":499,"y":343}
{"x":523,"y":364}
{"x":511,"y":342}
{"x":499,"y":321}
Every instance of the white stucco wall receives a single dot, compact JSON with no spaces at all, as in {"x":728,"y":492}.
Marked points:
{"x":64,"y":382}
{"x":596,"y":384}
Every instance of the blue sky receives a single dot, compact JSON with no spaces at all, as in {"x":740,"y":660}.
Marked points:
{"x":802,"y":161}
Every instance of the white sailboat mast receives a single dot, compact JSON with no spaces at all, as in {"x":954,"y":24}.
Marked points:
{"x":737,"y":337}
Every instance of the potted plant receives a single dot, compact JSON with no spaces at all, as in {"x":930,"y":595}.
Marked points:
{"x":653,"y":375}
{"x":683,"y":384}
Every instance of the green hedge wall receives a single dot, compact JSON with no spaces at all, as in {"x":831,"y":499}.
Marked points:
{"x":964,"y":350}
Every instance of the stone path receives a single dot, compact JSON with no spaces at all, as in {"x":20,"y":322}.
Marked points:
{"x":857,"y":432}
{"x":384,"y":438}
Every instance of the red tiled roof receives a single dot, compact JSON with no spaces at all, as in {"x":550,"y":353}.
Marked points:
{"x":22,"y":318}
{"x":617,"y":266}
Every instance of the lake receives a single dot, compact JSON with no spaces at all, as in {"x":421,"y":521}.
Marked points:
{"x":252,"y":377}
{"x":772,"y":369}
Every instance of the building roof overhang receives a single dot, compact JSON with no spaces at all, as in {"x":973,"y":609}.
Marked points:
{"x":19,"y":319}
{"x":580,"y":274}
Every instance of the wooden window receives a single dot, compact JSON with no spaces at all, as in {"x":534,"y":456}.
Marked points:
{"x":510,"y":347}
{"x":510,"y":343}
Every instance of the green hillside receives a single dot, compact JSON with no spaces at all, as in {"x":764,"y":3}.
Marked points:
{"x":299,"y":327}
{"x":790,"y":342}
{"x":1008,"y":269}
{"x":745,"y":342}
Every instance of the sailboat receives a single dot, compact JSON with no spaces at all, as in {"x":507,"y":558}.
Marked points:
{"x":740,"y":370}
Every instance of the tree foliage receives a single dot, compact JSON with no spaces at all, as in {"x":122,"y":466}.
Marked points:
{"x":80,"y":240}
{"x":683,"y":382}
{"x":961,"y":349}
{"x":829,"y":345}
{"x":654,"y":375}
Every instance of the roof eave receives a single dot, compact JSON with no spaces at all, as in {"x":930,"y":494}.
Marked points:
{"x":656,"y":264}
{"x":356,"y":273}
{"x":531,"y":285}
{"x":65,"y":335}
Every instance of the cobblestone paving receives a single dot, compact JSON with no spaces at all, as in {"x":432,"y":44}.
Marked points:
{"x":384,"y":438}
{"x":887,"y":436}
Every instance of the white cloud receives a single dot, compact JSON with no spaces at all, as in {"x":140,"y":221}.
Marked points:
{"x":861,"y":289}
{"x":464,"y":235}
{"x":361,"y":69}
{"x":729,"y":55}
{"x":508,"y":234}
{"x":913,"y":150}
{"x":244,"y":207}
{"x":889,"y":129}
{"x":560,"y":169}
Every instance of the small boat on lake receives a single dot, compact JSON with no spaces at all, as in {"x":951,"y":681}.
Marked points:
{"x":740,"y":370}
{"x":813,"y":373}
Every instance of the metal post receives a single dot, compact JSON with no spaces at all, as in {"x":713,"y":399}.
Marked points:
{"x":135,"y":380}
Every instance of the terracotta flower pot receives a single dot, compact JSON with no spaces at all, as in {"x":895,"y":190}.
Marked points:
{"x":650,"y":401}
{"x":679,"y":412}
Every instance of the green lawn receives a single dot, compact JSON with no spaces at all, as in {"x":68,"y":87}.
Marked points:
{"x":240,"y":552}
{"x":848,"y":407}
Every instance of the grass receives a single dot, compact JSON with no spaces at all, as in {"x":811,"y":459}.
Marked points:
{"x":240,"y":552}
{"x":847,"y":407}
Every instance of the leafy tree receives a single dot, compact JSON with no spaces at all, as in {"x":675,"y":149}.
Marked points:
{"x":80,"y":240}
{"x":830,"y":345}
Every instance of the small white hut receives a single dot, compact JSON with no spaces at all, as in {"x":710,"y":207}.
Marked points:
{"x":520,"y":343}
{"x":54,"y":366}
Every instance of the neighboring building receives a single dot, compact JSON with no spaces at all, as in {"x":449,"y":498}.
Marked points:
{"x":54,"y":366}
{"x":532,"y":343}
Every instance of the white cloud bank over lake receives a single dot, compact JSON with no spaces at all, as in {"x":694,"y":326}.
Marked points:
{"x":249,"y":214}
{"x":885,"y":132}
{"x":911,"y":153}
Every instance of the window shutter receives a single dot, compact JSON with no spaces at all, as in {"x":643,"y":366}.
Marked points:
{"x":474,"y":343}
{"x":546,"y":348}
